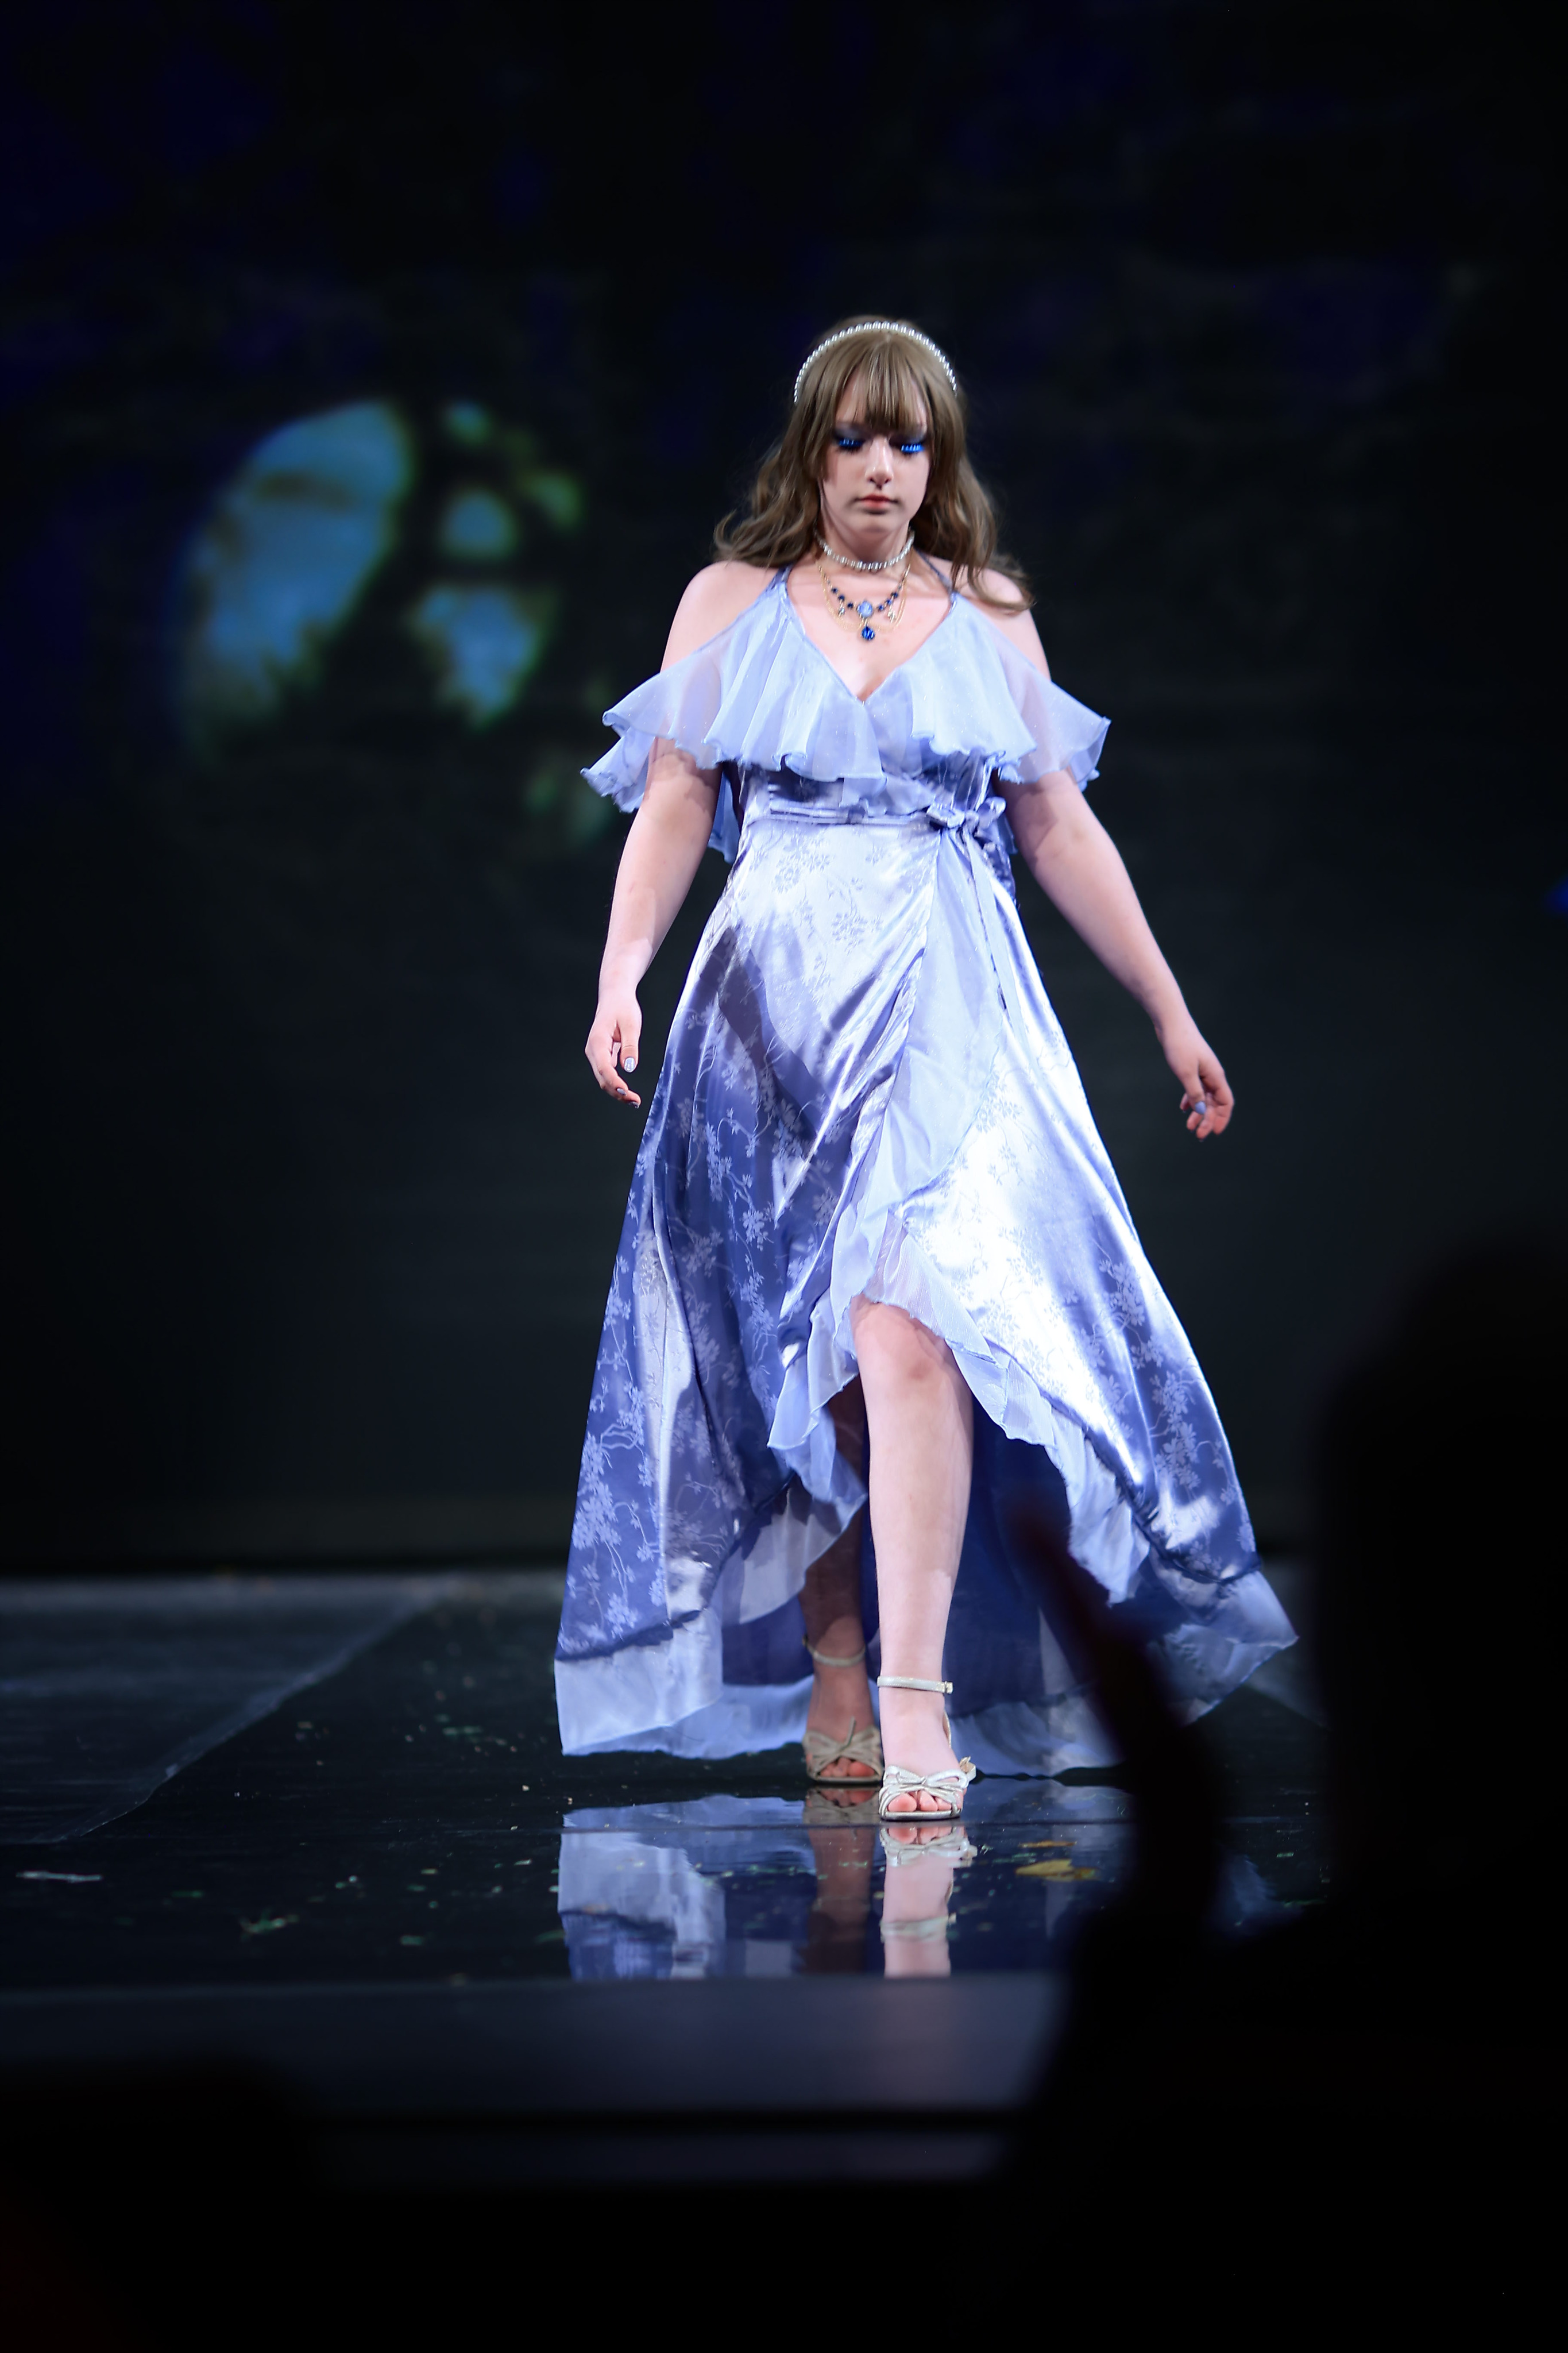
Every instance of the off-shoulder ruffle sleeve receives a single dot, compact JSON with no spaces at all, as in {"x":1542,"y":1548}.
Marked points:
{"x":1063,"y":733}
{"x":745,"y":699}
{"x":761,"y":695}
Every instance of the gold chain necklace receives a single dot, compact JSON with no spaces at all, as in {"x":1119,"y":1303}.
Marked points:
{"x":863,"y":613}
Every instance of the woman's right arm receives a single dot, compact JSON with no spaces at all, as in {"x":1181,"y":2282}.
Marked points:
{"x":663,"y":852}
{"x":669,"y":836}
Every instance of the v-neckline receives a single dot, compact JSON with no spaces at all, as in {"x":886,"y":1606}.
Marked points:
{"x":865,"y":701}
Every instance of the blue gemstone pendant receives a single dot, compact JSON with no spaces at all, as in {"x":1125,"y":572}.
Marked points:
{"x":867,"y":631}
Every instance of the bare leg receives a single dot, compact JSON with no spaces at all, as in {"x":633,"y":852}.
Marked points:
{"x":830,"y":1604}
{"x":922,"y":1421}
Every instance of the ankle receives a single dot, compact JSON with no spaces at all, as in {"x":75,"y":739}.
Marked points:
{"x":839,"y":1649}
{"x":911,"y":1716}
{"x":920,"y":1699}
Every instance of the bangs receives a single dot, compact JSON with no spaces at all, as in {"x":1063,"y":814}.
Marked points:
{"x":889,"y":384}
{"x":893,"y":397}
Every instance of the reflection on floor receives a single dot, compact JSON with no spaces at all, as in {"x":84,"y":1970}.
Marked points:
{"x":769,"y":1887}
{"x":410,"y":1817}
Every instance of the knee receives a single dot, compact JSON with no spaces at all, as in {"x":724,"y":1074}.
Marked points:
{"x":893,"y":1347}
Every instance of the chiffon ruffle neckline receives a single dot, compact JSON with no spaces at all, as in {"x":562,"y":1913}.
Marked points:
{"x":760,"y":696}
{"x":866,"y":1092}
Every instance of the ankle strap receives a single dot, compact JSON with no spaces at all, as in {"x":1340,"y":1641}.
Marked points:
{"x":826,"y":1659}
{"x":909,"y":1682}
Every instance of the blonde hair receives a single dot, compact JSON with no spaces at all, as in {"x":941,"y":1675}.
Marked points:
{"x":901,"y":389}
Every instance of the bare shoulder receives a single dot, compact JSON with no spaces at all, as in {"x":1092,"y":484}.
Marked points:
{"x":1017,"y":626}
{"x":717,"y":596}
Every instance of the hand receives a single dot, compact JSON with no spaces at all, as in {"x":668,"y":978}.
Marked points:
{"x":1207,"y":1097}
{"x":613,"y":1040}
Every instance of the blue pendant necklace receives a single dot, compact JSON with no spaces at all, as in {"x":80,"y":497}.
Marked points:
{"x":865,"y":613}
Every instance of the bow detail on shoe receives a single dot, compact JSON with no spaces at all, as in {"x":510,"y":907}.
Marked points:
{"x":857,"y":1748}
{"x":947,"y":1787}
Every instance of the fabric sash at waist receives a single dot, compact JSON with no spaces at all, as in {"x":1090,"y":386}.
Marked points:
{"x":981,"y":828}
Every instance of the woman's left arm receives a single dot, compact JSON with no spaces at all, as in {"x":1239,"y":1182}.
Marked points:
{"x":1079,"y":869}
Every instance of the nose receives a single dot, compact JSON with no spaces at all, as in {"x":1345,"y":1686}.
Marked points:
{"x":880,"y":458}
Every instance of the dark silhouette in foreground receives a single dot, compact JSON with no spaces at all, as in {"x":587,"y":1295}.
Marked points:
{"x":1383,"y":2074}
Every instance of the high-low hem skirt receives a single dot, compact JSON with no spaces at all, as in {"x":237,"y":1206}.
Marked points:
{"x":866,"y":1092}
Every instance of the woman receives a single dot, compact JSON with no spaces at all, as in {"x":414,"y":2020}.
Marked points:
{"x":874,"y":1242}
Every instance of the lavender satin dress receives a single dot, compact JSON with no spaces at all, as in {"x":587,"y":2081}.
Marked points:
{"x":866,"y":1092}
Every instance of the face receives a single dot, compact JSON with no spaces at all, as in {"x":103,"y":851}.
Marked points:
{"x":872,"y":486}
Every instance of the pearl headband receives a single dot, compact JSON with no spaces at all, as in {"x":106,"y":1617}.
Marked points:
{"x":873,"y":326}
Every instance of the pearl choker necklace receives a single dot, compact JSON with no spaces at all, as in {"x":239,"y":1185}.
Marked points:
{"x":874,"y":564}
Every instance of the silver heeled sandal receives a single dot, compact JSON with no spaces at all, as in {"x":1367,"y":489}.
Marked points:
{"x":949,"y":1785}
{"x":857,"y":1748}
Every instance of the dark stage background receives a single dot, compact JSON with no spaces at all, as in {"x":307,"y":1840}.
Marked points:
{"x":373,"y":378}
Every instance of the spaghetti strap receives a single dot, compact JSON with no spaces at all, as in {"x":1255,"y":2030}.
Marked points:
{"x":945,"y":578}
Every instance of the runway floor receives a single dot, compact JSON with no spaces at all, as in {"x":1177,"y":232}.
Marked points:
{"x":320,"y":1829}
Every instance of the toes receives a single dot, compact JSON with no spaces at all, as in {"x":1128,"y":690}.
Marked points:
{"x":916,"y":1801}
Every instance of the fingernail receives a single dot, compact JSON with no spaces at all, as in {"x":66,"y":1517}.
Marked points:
{"x":628,"y":1062}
